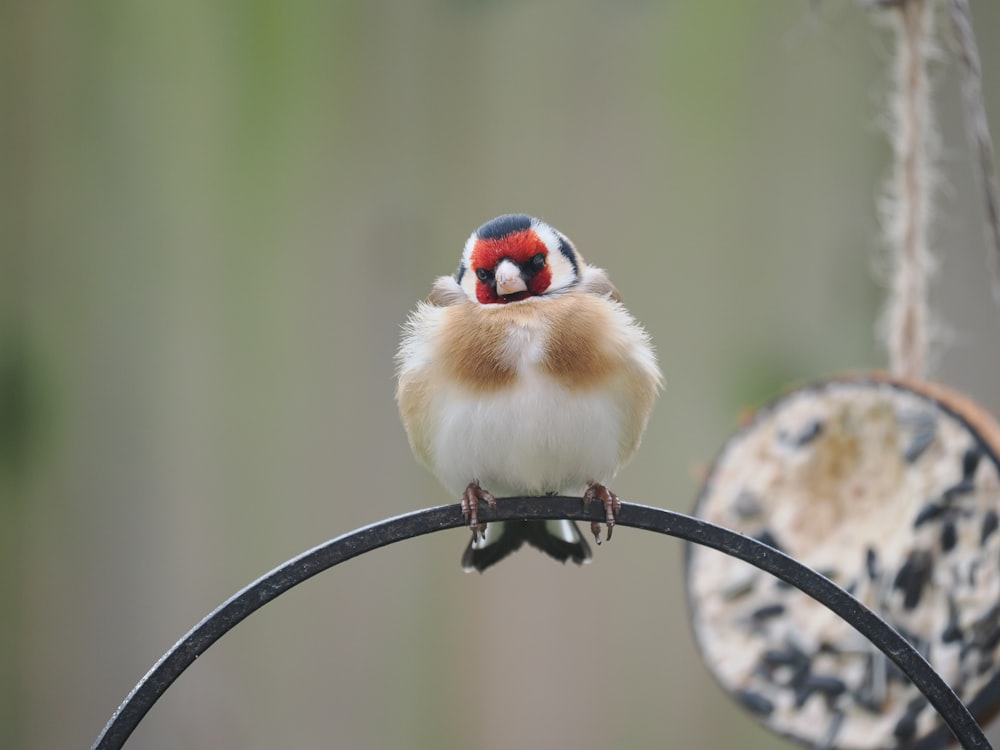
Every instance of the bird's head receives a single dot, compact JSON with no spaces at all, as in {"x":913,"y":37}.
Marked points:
{"x":516,"y":257}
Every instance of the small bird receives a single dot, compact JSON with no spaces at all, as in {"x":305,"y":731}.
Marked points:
{"x":523,"y":374}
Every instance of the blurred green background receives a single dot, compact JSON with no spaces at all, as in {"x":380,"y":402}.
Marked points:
{"x":215,"y":218}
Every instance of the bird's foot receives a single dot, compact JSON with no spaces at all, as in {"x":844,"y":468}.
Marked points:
{"x":611,"y":505}
{"x":470,"y":508}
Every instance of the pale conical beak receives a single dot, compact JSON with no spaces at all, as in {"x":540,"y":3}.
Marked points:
{"x":509,"y":279}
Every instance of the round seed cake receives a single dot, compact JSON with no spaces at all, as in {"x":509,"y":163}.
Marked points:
{"x":892,"y":490}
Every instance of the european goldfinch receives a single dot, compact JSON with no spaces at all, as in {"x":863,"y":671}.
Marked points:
{"x":523,"y":374}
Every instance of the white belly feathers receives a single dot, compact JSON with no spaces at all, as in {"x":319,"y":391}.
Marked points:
{"x":532,"y":438}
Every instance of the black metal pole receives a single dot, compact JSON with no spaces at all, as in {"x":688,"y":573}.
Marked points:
{"x":149,"y":689}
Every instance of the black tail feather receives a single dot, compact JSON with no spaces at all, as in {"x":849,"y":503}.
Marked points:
{"x":500,"y":542}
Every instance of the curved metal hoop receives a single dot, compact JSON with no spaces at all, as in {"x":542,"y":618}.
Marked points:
{"x":956,"y":715}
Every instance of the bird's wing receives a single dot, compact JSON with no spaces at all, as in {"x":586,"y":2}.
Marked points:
{"x":446,"y":292}
{"x":596,"y":281}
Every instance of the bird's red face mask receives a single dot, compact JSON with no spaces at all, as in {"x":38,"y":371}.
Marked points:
{"x":511,"y":268}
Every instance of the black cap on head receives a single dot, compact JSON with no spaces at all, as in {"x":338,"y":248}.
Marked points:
{"x":502,"y":226}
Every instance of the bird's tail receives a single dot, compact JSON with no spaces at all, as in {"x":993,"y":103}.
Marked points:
{"x":558,"y":538}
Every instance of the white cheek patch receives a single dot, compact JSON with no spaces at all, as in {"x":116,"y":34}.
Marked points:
{"x":469,"y":284}
{"x":547,"y":235}
{"x":470,"y":245}
{"x":564,"y":274}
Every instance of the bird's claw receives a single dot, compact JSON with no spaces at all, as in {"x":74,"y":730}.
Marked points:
{"x":611,"y":505}
{"x":470,"y":508}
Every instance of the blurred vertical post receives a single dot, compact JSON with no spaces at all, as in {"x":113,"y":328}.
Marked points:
{"x":15,"y":414}
{"x":978,"y":128}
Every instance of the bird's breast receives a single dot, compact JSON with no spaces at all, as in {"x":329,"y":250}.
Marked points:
{"x":488,"y":348}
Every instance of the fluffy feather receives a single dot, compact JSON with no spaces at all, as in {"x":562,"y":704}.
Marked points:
{"x":546,"y":394}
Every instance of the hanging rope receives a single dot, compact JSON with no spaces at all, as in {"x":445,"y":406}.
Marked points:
{"x":907,"y":204}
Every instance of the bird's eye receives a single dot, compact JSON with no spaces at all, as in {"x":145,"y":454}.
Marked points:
{"x":538,"y":261}
{"x":483,"y":274}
